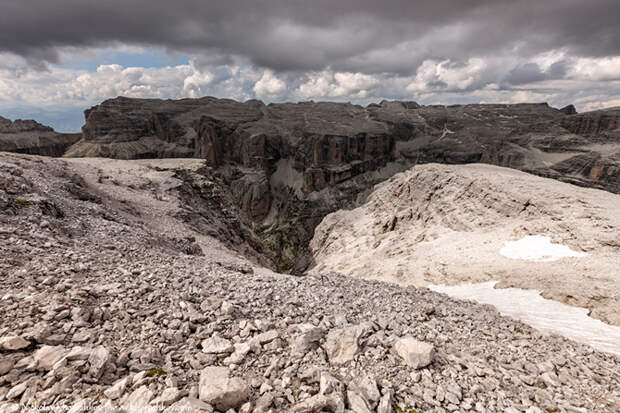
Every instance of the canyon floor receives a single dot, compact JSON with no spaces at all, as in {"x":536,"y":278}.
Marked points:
{"x":119,"y":291}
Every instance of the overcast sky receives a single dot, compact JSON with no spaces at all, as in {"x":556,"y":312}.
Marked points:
{"x":59,"y":57}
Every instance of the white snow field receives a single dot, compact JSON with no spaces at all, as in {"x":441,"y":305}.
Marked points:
{"x":537,"y":248}
{"x":547,"y":316}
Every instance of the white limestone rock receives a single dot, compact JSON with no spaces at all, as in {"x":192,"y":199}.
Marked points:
{"x":217,"y":345}
{"x":140,"y":398}
{"x":13,"y":343}
{"x":219,"y":389}
{"x":47,"y":356}
{"x":99,"y":357}
{"x":342,"y":344}
{"x":416,"y":354}
{"x":118,"y":389}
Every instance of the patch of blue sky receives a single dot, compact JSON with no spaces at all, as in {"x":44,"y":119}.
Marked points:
{"x":62,"y":119}
{"x":150,"y":58}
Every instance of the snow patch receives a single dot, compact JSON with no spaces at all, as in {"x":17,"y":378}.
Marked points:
{"x":537,"y":248}
{"x":545,"y":315}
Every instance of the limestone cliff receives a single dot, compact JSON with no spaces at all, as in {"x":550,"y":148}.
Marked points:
{"x":290,"y":164}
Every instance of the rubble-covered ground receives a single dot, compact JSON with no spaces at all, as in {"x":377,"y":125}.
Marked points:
{"x":103,"y":307}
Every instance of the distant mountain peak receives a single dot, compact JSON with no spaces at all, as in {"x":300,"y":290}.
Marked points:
{"x":569,"y":110}
{"x":19,"y":125}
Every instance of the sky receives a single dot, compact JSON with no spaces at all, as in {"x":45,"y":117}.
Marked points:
{"x":60,"y":57}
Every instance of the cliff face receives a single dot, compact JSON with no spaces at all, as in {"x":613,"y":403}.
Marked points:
{"x":333,"y":142}
{"x":30,"y":137}
{"x":594,"y":123}
{"x":291,"y":164}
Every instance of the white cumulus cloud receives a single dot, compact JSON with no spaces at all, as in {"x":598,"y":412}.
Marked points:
{"x":195,"y":84}
{"x":446,"y":75}
{"x":597,"y":69}
{"x":269,"y":86}
{"x":330,"y":85}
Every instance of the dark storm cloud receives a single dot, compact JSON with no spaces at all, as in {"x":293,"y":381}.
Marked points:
{"x":291,"y":35}
{"x":531,"y":72}
{"x":526,"y":73}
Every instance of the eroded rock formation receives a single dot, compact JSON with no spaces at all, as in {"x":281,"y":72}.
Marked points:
{"x":288,"y":165}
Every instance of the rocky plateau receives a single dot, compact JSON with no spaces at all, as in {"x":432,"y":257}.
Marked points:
{"x":145,"y":263}
{"x":114,"y":297}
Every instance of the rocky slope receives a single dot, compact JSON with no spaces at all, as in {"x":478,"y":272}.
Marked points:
{"x":30,"y":137}
{"x":447,"y":224}
{"x":289,"y":165}
{"x":112,"y":301}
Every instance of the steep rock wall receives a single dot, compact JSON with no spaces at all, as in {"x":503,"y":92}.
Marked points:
{"x":336,"y":152}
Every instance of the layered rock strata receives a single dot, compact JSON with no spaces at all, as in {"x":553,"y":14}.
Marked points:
{"x":288,"y":165}
{"x":30,"y":137}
